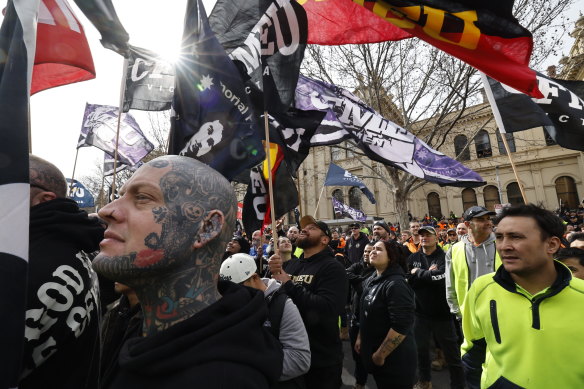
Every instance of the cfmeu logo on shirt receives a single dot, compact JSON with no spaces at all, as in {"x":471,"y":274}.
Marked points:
{"x":304,"y":279}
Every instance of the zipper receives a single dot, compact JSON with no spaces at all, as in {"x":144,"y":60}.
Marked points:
{"x":495,"y":321}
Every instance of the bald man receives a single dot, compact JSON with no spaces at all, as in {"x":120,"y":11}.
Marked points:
{"x":165,"y":239}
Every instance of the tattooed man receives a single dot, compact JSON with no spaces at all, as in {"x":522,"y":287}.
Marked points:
{"x":165,"y":238}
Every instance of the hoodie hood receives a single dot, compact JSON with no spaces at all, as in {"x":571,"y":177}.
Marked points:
{"x":272,"y":285}
{"x":489,"y":240}
{"x":230,"y":331}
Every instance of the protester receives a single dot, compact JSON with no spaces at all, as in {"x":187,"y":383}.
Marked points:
{"x":531,"y":305}
{"x":381,"y":231}
{"x":413,"y":243}
{"x":62,"y":306}
{"x":386,"y":340}
{"x":357,"y":274}
{"x":577,"y":240}
{"x":472,"y":257}
{"x":317,"y":284}
{"x":285,"y":247}
{"x":236,"y":245}
{"x":405,"y":236}
{"x":426,"y":276}
{"x":259,"y":250}
{"x":338,"y":248}
{"x":461,"y":230}
{"x":292,"y":234}
{"x":284,"y":319}
{"x":165,"y":239}
{"x":355,"y":244}
{"x":573,"y":258}
{"x":451,"y":239}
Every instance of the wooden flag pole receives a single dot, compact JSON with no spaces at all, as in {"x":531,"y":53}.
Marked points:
{"x":318,"y":202}
{"x":501,"y":126}
{"x":269,"y":159}
{"x":73,"y":174}
{"x":121,"y":107}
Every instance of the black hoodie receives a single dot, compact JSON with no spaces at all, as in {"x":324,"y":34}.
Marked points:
{"x":223,"y":346}
{"x":61,"y":348}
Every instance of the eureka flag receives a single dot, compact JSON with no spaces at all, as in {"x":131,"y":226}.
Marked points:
{"x":347,"y":117}
{"x":483,"y":34}
{"x":99,"y":129}
{"x":337,"y":176}
{"x":341,"y":208}
{"x":213,"y":120}
{"x":560,"y":111}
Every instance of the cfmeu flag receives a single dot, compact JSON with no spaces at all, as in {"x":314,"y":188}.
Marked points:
{"x":340,"y":22}
{"x":62,"y":54}
{"x":488,"y":37}
{"x":213,"y":120}
{"x":337,"y":176}
{"x":342,"y":209}
{"x":17,"y":45}
{"x":560,"y":111}
{"x":80,"y":194}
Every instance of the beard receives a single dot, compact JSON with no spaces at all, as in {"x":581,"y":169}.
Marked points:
{"x":308,"y":242}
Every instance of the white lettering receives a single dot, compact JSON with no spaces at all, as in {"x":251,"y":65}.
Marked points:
{"x":134,"y":74}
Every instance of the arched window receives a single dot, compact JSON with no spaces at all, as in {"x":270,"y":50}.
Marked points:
{"x":483,"y":144}
{"x":514,"y":194}
{"x":355,"y":198}
{"x":510,"y":142}
{"x":567,"y":192}
{"x":434,"y":208}
{"x":338,"y":195}
{"x":469,"y":198}
{"x":491,"y":197}
{"x":460,"y":142}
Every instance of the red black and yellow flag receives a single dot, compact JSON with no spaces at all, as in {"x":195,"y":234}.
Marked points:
{"x":482,"y":33}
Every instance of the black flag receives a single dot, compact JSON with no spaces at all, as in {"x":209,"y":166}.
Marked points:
{"x":103,"y":16}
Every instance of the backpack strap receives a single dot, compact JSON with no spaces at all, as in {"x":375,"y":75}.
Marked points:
{"x":276,"y":302}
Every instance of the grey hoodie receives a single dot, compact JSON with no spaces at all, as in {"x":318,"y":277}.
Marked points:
{"x":480,"y":260}
{"x":293,"y":337}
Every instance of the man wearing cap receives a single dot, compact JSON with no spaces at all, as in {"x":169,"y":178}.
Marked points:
{"x":381,"y":231}
{"x":355,"y":244}
{"x":426,"y":276}
{"x":472,"y":257}
{"x":317,"y":284}
{"x":451,"y":239}
{"x":241,"y":269}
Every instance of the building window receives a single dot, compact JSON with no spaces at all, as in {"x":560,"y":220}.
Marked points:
{"x":338,"y":195}
{"x":434,"y":208}
{"x":514,"y":194}
{"x":491,"y":197}
{"x":355,"y":198}
{"x":337,"y":153}
{"x":567,"y":192}
{"x":549,"y":141}
{"x":510,"y":141}
{"x":483,"y":144}
{"x":469,"y":198}
{"x":460,"y":142}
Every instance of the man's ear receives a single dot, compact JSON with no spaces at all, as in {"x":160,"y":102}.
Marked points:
{"x":554,"y":245}
{"x":42,"y":197}
{"x":210,"y":228}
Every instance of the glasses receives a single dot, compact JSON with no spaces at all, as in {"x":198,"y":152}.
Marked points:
{"x":354,"y":228}
{"x":451,"y":234}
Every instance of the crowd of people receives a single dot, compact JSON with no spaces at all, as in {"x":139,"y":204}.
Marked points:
{"x":156,"y":291}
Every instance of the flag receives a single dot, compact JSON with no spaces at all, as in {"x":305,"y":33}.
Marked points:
{"x":483,"y":34}
{"x":347,"y":117}
{"x":62,"y":55}
{"x":560,"y":111}
{"x":108,"y":165}
{"x":17,"y":45}
{"x":100,"y":123}
{"x":213,"y":120}
{"x":340,"y":22}
{"x":337,"y":176}
{"x":149,"y":81}
{"x":343,"y":209}
{"x":80,"y":194}
{"x":266,"y":38}
{"x":103,"y":16}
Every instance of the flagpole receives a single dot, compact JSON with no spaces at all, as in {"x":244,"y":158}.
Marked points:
{"x":501,"y":127}
{"x":269,"y":159}
{"x":121,"y":106}
{"x":102,"y":189}
{"x":299,"y":194}
{"x":73,"y":175}
{"x":318,"y":202}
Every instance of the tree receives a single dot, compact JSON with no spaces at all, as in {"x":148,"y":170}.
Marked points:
{"x":423,"y":89}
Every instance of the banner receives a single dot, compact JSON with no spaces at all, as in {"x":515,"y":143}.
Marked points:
{"x":17,"y":45}
{"x":149,"y":81}
{"x":80,"y":194}
{"x":103,"y":16}
{"x":347,"y":117}
{"x":483,"y":34}
{"x":560,"y":111}
{"x":340,"y":22}
{"x":108,"y":165}
{"x":99,"y":129}
{"x":213,"y":120}
{"x":343,"y":209}
{"x":59,"y":28}
{"x":336,"y":175}
{"x":266,"y":39}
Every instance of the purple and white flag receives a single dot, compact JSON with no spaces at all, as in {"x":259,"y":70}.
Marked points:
{"x":99,"y":127}
{"x":341,"y":208}
{"x":108,"y":165}
{"x":347,"y":117}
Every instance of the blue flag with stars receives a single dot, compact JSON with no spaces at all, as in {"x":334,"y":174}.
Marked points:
{"x":212,"y":119}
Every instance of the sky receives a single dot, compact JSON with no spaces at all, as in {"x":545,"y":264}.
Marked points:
{"x":56,"y":114}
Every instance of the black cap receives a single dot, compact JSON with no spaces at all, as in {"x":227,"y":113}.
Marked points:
{"x":383,"y":225}
{"x":476,"y":211}
{"x":430,"y":229}
{"x":356,"y":225}
{"x":306,"y":220}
